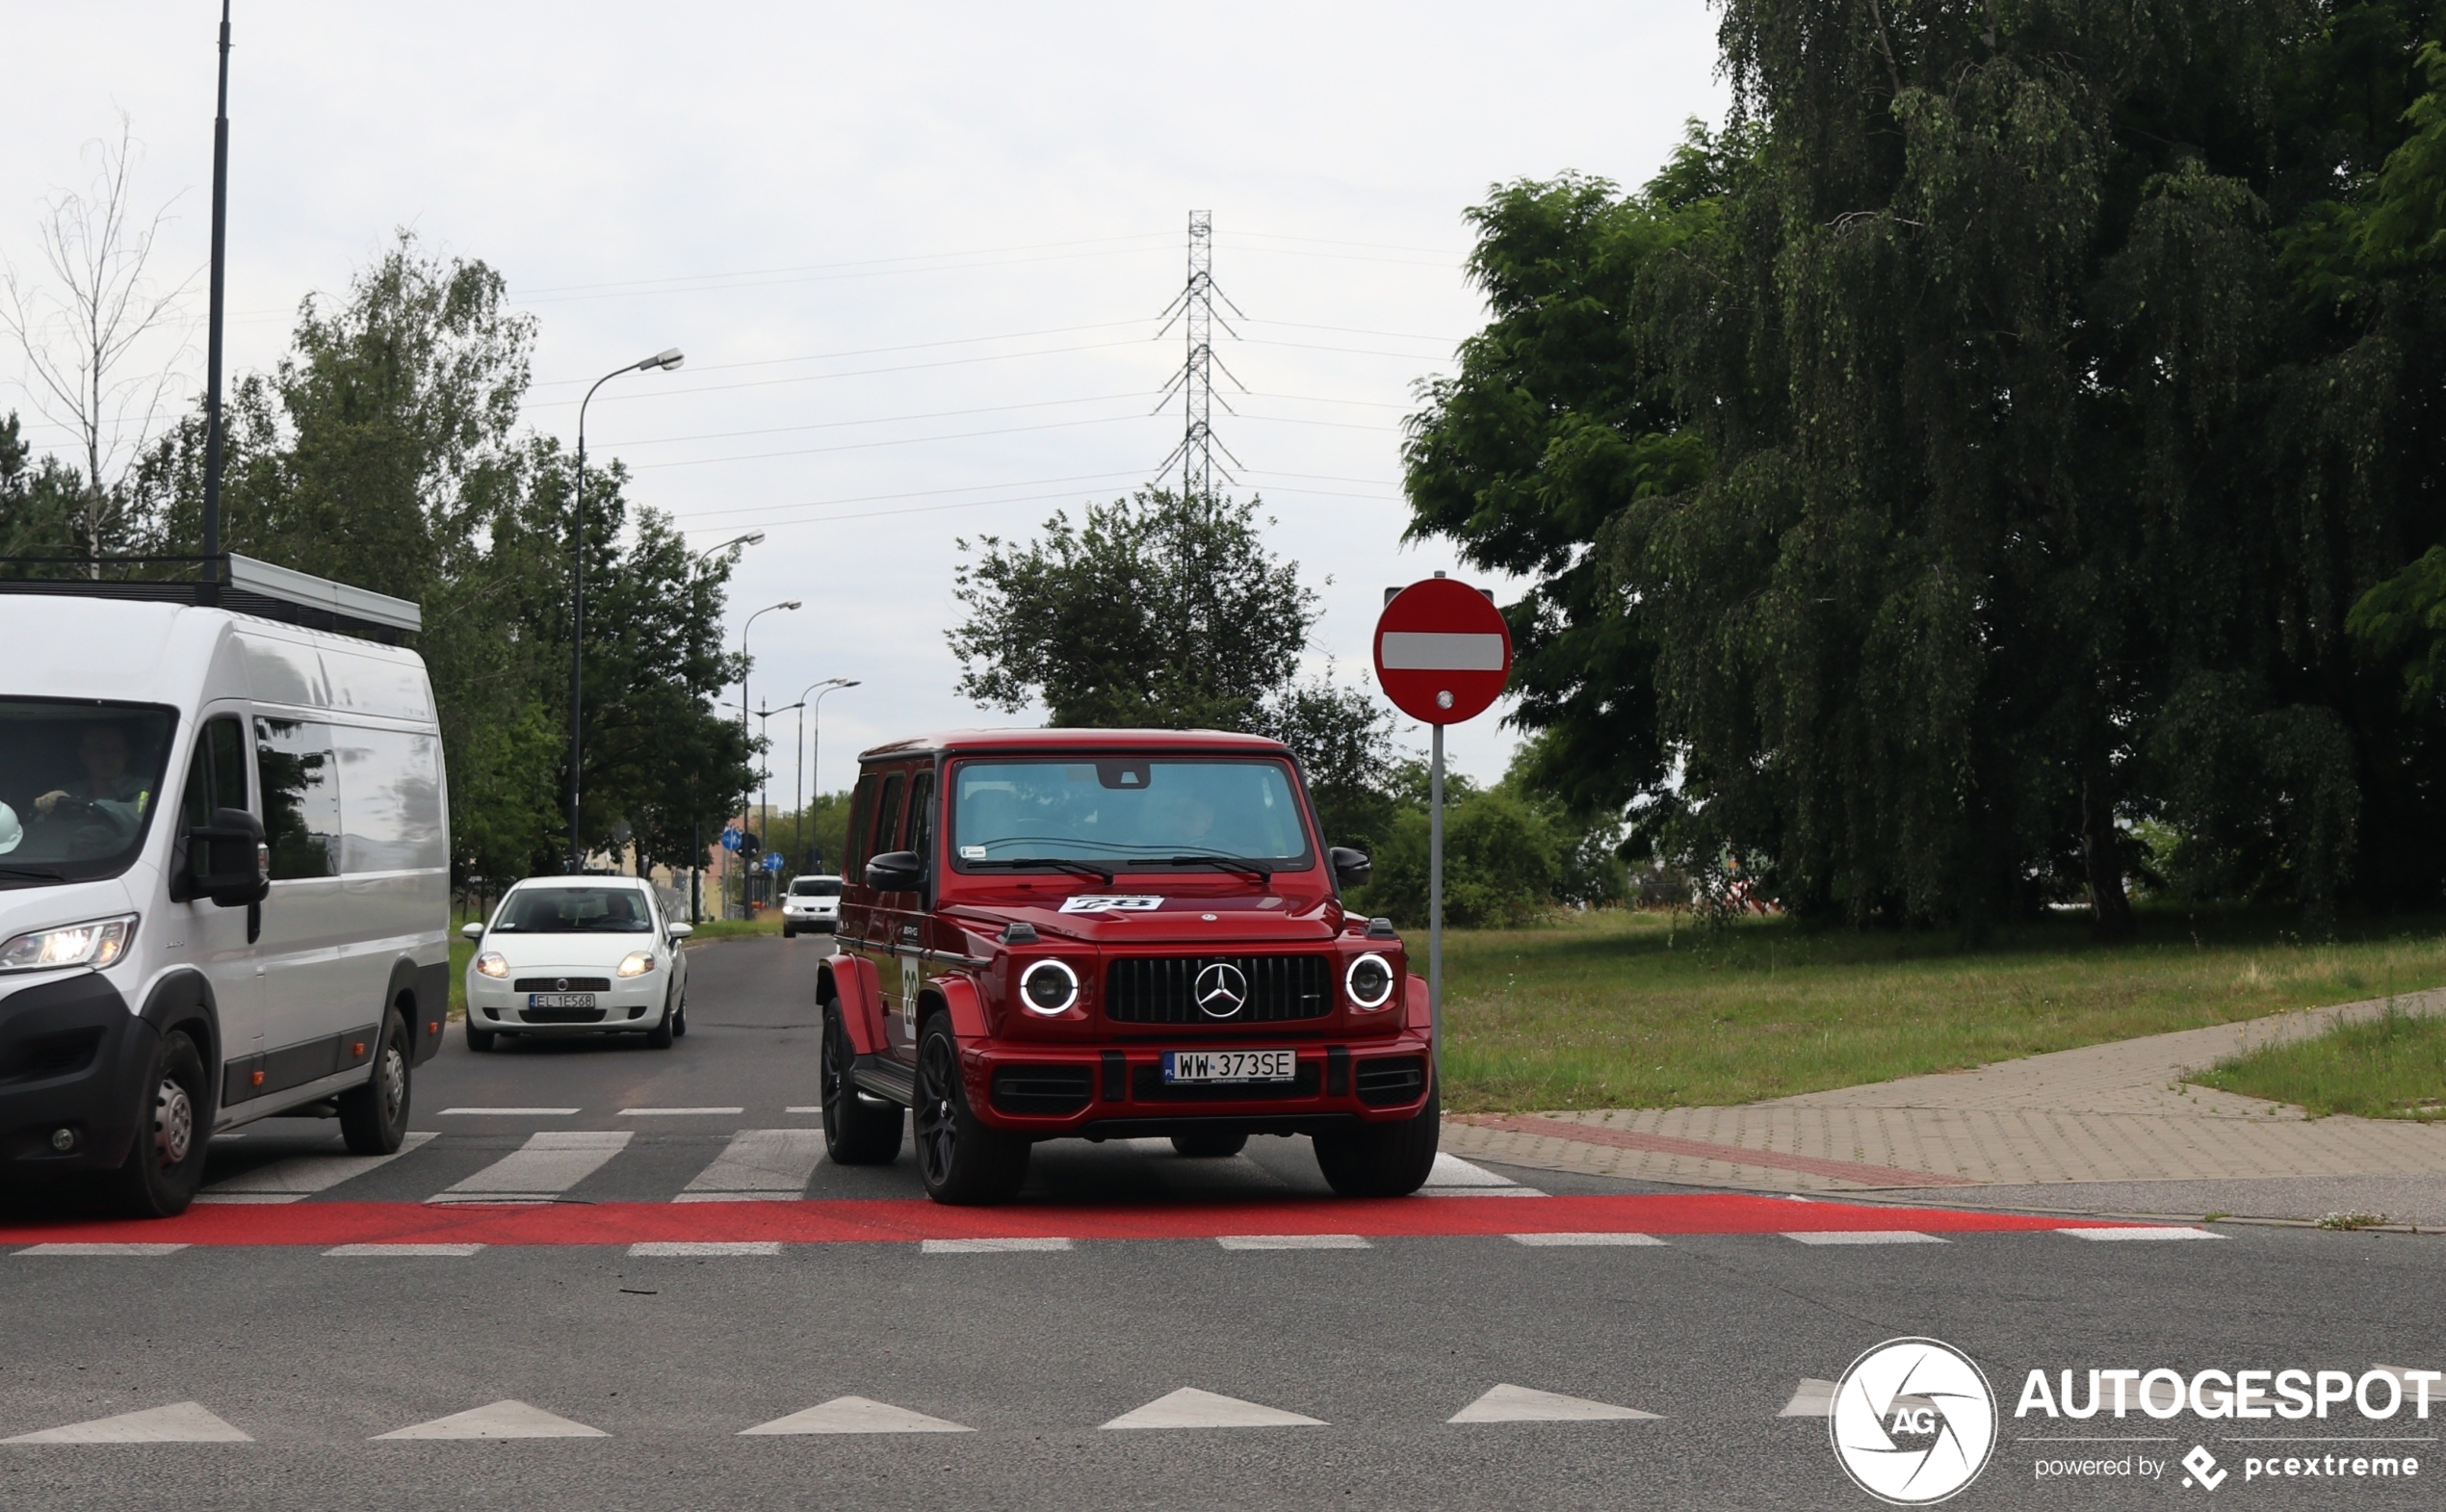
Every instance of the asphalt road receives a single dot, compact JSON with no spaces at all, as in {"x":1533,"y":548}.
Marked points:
{"x":669,"y":1357}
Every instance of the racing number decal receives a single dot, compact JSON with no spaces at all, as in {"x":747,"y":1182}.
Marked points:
{"x":909,"y":978}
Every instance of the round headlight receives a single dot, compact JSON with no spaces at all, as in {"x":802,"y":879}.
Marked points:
{"x":1368,"y":981}
{"x":492,"y":963}
{"x":1049,"y":988}
{"x":636,"y":963}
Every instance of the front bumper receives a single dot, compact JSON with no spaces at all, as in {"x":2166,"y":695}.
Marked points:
{"x":1119,"y":1091}
{"x":71,"y":1057}
{"x":633,"y":1003}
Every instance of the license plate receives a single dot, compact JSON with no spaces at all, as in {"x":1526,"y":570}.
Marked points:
{"x":560,"y":999}
{"x":1231,"y":1065}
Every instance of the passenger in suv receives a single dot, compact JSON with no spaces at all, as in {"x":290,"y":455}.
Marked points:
{"x":1105,"y":935}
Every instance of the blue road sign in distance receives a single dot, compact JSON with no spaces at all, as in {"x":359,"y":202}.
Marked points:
{"x":772,"y":860}
{"x":730,"y":839}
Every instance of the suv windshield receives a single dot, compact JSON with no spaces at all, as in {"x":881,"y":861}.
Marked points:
{"x":1125,"y":813}
{"x":78,"y":783}
{"x":816,"y":887}
{"x":575,"y":910}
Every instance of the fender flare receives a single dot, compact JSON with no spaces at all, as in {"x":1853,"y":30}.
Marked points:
{"x":962,"y":998}
{"x":853,"y":984}
{"x":1416,"y":1013}
{"x":185,"y":997}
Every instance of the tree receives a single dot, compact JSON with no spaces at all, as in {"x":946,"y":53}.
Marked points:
{"x":1162,"y":612}
{"x":1343,"y":739}
{"x":36,"y":498}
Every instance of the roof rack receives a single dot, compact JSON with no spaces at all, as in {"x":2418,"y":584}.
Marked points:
{"x":241,"y":585}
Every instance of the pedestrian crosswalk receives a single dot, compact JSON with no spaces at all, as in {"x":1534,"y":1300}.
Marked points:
{"x":760,"y":1165}
{"x":548,"y":1164}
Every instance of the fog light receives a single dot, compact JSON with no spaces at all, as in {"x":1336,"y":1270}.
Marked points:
{"x":63,"y":1139}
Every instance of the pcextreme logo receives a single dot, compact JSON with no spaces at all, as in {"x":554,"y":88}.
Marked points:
{"x":1913,"y":1422}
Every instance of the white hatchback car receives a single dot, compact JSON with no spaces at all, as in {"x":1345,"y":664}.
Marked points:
{"x":578,"y":956}
{"x":812,"y":902}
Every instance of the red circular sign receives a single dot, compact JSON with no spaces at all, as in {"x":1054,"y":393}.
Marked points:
{"x":1443,"y":651}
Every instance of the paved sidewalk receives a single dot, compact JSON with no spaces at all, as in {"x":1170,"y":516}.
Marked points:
{"x":2106,"y":1128}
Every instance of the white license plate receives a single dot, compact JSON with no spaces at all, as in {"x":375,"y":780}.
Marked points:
{"x":560,"y":999}
{"x":1231,"y":1065}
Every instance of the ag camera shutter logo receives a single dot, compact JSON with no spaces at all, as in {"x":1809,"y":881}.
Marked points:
{"x":1913,"y":1422}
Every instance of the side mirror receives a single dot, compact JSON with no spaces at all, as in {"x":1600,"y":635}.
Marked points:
{"x":681,"y":931}
{"x":896,"y":872}
{"x":228,"y":860}
{"x":1351,"y":868}
{"x":471,"y":931}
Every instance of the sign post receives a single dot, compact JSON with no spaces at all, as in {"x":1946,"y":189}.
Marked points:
{"x":1442,"y":655}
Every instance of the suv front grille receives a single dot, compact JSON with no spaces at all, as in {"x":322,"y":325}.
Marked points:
{"x":1165,"y":989}
{"x":1391,"y":1080}
{"x":1052,"y":1090}
{"x":561,"y":984}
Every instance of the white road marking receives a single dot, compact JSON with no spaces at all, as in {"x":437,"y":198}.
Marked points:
{"x":300,"y":1177}
{"x":1453,"y":1177}
{"x":2166,"y":1232}
{"x":501,"y":1420}
{"x":676,"y":1112}
{"x":1584,"y":1240}
{"x":548,"y":1164}
{"x":1814,"y":1399}
{"x":429,"y":1251}
{"x":1508,"y":1403}
{"x":760,"y":1165}
{"x":1864,"y":1236}
{"x":1025,"y":1246}
{"x":856,"y":1415}
{"x":1293,"y":1241}
{"x":1191,"y":1408}
{"x":817,"y":1109}
{"x":513,"y":1112}
{"x":180,"y":1422}
{"x":143,"y":1251}
{"x":697,"y":1249}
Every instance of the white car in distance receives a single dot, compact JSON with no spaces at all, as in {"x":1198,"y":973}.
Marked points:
{"x":578,"y":956}
{"x":812,"y":902}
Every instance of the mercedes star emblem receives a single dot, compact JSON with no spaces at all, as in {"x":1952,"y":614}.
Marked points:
{"x":1220,"y":990}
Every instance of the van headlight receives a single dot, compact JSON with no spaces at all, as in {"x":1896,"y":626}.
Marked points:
{"x":492,"y":963}
{"x":1049,"y":988}
{"x":94,"y":943}
{"x":1368,"y":981}
{"x":636,"y":963}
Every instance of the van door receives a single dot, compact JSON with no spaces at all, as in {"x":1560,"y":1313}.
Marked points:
{"x":306,"y":918}
{"x":214,"y":938}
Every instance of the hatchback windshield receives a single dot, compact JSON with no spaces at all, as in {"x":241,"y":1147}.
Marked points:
{"x":575,"y":910}
{"x":816,"y":887}
{"x":1125,"y":813}
{"x":78,"y":782}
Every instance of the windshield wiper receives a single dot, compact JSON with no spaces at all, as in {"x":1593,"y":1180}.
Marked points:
{"x":1102,"y":874}
{"x":1264,"y":874}
{"x":39,"y":873}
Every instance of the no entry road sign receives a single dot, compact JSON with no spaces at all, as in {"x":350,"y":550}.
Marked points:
{"x":1443,"y":652}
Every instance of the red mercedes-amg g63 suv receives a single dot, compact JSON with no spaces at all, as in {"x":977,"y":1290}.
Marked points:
{"x":1050,"y":934}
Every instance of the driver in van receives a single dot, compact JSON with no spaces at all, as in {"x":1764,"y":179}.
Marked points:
{"x":108,"y":790}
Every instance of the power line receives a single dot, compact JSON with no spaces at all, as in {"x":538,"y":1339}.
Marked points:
{"x":818,"y":377}
{"x":909,"y":440}
{"x":877,"y":352}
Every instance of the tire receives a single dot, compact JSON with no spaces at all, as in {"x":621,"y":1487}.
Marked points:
{"x":961,"y":1160}
{"x":173,"y":1123}
{"x":857,"y":1130}
{"x":1207,"y":1146}
{"x":661,"y":1035}
{"x":679,"y":1020}
{"x":789,"y":930}
{"x":373,"y":1117}
{"x":1381,"y":1160}
{"x":480,"y":1040}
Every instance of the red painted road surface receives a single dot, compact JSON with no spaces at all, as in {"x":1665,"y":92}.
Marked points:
{"x":912,"y":1220}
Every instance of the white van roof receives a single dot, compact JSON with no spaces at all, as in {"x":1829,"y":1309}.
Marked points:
{"x":146,"y":652}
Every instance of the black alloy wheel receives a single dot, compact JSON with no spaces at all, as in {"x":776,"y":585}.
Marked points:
{"x":165,"y":1164}
{"x":960,"y":1159}
{"x":373,"y":1117}
{"x":1381,"y":1160}
{"x":857,"y":1130}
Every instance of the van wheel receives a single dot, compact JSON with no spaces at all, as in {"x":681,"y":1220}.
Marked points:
{"x":480,"y":1040}
{"x":1381,"y":1160}
{"x":373,"y":1117}
{"x":961,"y":1160}
{"x":857,"y":1130}
{"x":173,"y":1123}
{"x":1205,"y":1146}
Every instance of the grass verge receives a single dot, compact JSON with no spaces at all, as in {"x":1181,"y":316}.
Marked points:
{"x":1621,"y":1009}
{"x":2393,"y":1067}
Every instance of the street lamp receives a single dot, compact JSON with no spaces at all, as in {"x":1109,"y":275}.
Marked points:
{"x":696,"y":858}
{"x":664,"y":360}
{"x":787,"y":603}
{"x":798,"y":831}
{"x":751,"y":538}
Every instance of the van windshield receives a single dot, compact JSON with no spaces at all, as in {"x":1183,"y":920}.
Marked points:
{"x":574,"y":910}
{"x":1148,"y":813}
{"x":816,"y":887}
{"x":79,"y":782}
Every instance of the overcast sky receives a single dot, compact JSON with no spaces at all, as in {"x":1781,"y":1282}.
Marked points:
{"x":915,"y":253}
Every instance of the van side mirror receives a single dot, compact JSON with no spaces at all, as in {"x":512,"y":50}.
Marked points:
{"x":228,"y":860}
{"x":896,"y":872}
{"x":681,"y":931}
{"x":1351,"y":868}
{"x":471,"y":931}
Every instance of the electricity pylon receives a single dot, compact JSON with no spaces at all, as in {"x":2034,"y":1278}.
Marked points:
{"x":1194,"y":310}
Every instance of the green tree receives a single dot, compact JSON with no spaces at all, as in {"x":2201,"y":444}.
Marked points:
{"x":1343,"y":739}
{"x":39,"y":499}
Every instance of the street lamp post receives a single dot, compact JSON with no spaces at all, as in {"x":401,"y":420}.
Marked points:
{"x":665,"y":360}
{"x":787,"y":603}
{"x":764,"y":729}
{"x":831,"y":685}
{"x":696,"y":858}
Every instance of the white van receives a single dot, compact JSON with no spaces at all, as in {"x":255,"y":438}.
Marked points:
{"x":225,"y":872}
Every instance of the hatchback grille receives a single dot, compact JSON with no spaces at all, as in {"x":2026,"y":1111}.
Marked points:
{"x":561,"y":1015}
{"x":561,"y":984}
{"x":1165,"y":989}
{"x":1391,"y":1080}
{"x":1042,"y":1090}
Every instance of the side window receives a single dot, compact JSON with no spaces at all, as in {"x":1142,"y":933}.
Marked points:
{"x":920,"y":829}
{"x":300,"y":781}
{"x":853,"y":838}
{"x":390,"y":801}
{"x":217,"y":777}
{"x":887,"y":818}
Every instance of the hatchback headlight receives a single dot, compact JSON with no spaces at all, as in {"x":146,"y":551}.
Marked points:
{"x":95,"y":942}
{"x":1049,"y":988}
{"x":636,"y":963}
{"x":492,"y":963}
{"x":1368,"y":981}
